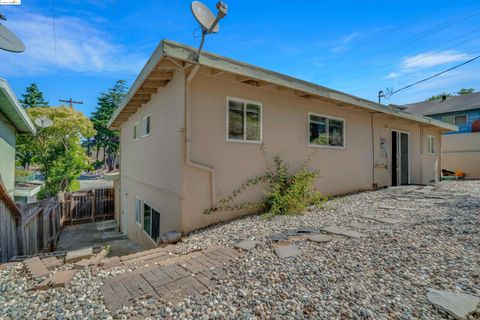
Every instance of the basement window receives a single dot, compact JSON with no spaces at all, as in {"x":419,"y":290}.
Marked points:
{"x":135,"y":131}
{"x":151,"y":222}
{"x":146,"y":126}
{"x":138,"y":210}
{"x":244,"y":120}
{"x":325,"y":131}
{"x":430,"y":144}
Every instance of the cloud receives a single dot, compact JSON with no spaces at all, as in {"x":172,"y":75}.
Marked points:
{"x":80,"y":47}
{"x":429,"y":60}
{"x":349,"y":37}
{"x":392,"y":75}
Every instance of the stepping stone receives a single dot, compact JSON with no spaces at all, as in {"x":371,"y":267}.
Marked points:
{"x":77,"y":255}
{"x":51,"y":263}
{"x":381,"y":219}
{"x":287,"y":251}
{"x":36,"y":267}
{"x":458,"y":305}
{"x":386,"y":207}
{"x":247,"y":244}
{"x":319,"y":238}
{"x":59,"y":279}
{"x":344,"y":232}
{"x":360,"y":226}
{"x":82,"y":264}
{"x":278,"y":237}
{"x":307,"y":230}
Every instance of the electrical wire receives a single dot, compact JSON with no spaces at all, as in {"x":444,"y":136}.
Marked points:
{"x":433,"y":76}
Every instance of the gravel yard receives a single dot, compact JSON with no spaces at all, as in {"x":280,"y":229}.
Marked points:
{"x":385,"y":275}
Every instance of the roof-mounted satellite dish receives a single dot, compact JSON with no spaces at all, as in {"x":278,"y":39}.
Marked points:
{"x":207,"y":20}
{"x":8,"y":41}
{"x":43,"y":122}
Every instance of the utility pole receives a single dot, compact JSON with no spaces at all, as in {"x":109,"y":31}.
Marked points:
{"x":71,"y":102}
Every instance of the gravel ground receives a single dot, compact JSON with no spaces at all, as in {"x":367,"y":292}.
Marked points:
{"x":384,"y":276}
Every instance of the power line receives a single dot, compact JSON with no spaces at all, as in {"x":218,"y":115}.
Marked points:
{"x":433,"y":76}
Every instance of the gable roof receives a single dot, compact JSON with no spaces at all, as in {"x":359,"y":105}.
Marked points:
{"x":450,"y":104}
{"x":170,"y":49}
{"x":10,"y":107}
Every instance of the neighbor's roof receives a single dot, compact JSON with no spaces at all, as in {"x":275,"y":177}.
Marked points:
{"x":177,"y":51}
{"x":10,"y":107}
{"x":450,"y":104}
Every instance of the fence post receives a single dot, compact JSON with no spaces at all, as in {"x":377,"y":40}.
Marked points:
{"x":93,"y":206}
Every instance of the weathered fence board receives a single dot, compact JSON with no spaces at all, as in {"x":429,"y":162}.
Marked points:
{"x":91,"y":205}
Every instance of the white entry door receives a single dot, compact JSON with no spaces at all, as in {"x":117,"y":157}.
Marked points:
{"x":124,"y":217}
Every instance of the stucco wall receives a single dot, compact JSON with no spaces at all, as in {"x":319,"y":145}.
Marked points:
{"x":151,"y":167}
{"x":285,"y":127}
{"x":7,"y":153}
{"x":461,"y":152}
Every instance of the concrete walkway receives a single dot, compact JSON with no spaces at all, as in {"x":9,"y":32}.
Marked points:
{"x":94,"y":234}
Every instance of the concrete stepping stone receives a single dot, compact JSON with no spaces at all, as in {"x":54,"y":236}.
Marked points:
{"x":320,"y":238}
{"x":360,"y":226}
{"x":73,"y":256}
{"x":381,"y":219}
{"x":36,"y":267}
{"x":51,"y":263}
{"x":287,"y":251}
{"x":344,"y":232}
{"x":458,"y":305}
{"x":59,"y":279}
{"x":247,"y":244}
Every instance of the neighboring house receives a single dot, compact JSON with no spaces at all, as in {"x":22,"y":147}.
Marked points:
{"x":190,"y":133}
{"x":460,"y":150}
{"x":13,"y":119}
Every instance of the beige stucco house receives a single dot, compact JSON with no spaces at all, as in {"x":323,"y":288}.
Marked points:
{"x":191,"y":133}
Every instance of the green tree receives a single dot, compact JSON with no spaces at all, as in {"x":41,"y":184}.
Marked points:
{"x":105,"y":138}
{"x":33,"y":97}
{"x":58,"y":150}
{"x":465,"y":91}
{"x":439,"y":96}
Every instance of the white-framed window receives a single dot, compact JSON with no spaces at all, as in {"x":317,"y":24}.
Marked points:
{"x":138,"y":210}
{"x":430,"y":144}
{"x":135,"y":130}
{"x":146,"y":126}
{"x":151,"y":222}
{"x":326,"y":131}
{"x":456,"y":120}
{"x":244,"y":120}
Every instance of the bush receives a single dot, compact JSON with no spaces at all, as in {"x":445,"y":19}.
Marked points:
{"x":287,"y":193}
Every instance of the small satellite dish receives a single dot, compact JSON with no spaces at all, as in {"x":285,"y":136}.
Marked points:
{"x":207,"y":20}
{"x":8,"y":41}
{"x":43,"y":122}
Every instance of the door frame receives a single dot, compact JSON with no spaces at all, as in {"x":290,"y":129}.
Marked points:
{"x":408,"y":133}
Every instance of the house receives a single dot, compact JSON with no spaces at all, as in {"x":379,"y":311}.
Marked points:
{"x":460,"y":150}
{"x":190,"y":133}
{"x":13,"y":120}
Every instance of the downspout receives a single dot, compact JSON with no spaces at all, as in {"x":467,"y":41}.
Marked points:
{"x":374,"y":185}
{"x":188,"y":137}
{"x":422,"y":155}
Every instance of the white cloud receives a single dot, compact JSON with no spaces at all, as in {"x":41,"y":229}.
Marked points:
{"x":429,"y":60}
{"x":392,"y":75}
{"x":349,"y":37}
{"x":80,"y":47}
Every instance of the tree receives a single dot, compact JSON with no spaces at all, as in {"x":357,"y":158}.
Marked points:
{"x":58,"y":150}
{"x":439,"y":96}
{"x":105,"y":138}
{"x":465,"y":91}
{"x":33,"y":97}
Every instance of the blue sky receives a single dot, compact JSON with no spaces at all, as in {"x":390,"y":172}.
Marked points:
{"x":358,"y":47}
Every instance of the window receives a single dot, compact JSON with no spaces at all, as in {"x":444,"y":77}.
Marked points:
{"x":138,"y":210}
{"x":431,"y":144}
{"x":146,"y":126}
{"x":456,"y":120}
{"x":135,"y":131}
{"x":244,"y":120}
{"x":151,"y":222}
{"x":326,"y":131}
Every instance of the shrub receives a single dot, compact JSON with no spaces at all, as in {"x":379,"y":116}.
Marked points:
{"x":287,"y":193}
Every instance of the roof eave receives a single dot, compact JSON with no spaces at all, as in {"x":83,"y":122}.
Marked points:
{"x":22,"y":122}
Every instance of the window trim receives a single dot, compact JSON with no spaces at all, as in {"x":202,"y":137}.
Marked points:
{"x":433,"y":145}
{"x":139,"y":223}
{"x":143,"y":227}
{"x":135,"y":133}
{"x":145,"y":134}
{"x":455,"y":117}
{"x":327,"y":117}
{"x":245,"y":101}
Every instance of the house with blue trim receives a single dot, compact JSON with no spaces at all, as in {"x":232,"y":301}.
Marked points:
{"x":461,"y":149}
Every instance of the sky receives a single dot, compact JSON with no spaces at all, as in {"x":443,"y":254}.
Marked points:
{"x":79,"y":48}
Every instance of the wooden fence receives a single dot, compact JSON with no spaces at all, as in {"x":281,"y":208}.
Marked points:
{"x":36,"y":227}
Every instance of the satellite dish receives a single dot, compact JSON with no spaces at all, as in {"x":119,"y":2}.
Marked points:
{"x":204,"y":16}
{"x":207,"y":20}
{"x":8,"y":41}
{"x":43,"y":122}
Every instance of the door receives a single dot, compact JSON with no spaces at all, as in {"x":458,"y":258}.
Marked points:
{"x":400,"y":158}
{"x":123,"y":219}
